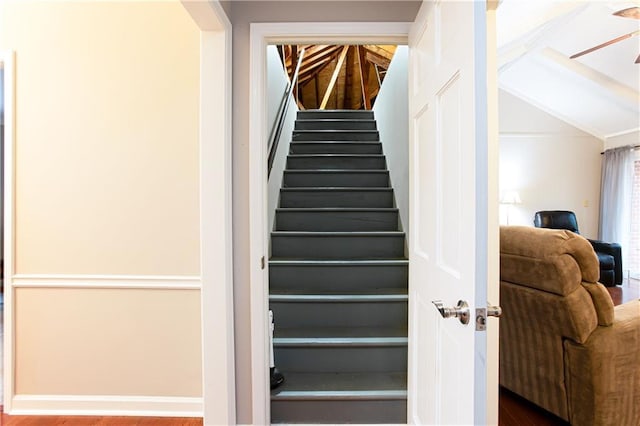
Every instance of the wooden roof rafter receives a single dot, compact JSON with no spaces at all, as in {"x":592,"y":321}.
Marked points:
{"x":334,"y":76}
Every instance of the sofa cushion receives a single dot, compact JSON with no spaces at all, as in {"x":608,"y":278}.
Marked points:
{"x":556,"y":261}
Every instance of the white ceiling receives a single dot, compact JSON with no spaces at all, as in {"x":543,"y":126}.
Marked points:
{"x":599,"y":92}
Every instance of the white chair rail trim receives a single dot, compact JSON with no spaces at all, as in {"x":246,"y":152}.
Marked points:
{"x":166,"y":282}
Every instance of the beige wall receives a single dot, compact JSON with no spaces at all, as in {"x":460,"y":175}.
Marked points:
{"x":107,"y":137}
{"x":241,"y":14}
{"x":552,"y":165}
{"x":129,"y":342}
{"x":107,"y":198}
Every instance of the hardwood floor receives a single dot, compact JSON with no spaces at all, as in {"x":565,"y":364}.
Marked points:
{"x":517,"y":411}
{"x":97,"y":421}
{"x":514,"y":410}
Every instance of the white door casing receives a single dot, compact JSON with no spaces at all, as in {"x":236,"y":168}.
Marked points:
{"x":262,"y":34}
{"x":448,"y":211}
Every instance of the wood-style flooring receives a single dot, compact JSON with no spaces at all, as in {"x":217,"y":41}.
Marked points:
{"x":97,"y":421}
{"x":514,"y":410}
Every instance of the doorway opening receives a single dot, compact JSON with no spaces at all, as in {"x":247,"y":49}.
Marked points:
{"x":338,"y":266}
{"x":262,"y":36}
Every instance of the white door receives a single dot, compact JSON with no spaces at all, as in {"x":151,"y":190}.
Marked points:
{"x":448,"y":143}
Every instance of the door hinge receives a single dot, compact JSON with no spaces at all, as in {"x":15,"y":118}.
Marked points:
{"x":262,"y":265}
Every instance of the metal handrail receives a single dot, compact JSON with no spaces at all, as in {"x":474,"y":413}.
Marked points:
{"x":276,"y":129}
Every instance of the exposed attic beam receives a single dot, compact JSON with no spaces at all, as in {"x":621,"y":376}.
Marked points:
{"x":313,"y":71}
{"x":378,"y":60}
{"x":334,"y":77}
{"x":379,"y":51}
{"x":364,"y":78}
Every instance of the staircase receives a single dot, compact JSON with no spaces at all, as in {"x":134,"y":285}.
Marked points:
{"x":338,"y":278}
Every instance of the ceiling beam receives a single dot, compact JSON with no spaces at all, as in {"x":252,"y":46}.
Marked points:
{"x":613,"y":87}
{"x":334,"y":77}
{"x":364,"y":78}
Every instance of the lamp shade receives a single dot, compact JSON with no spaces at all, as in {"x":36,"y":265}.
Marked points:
{"x":511,"y":197}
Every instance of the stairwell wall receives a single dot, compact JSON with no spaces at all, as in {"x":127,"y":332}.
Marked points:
{"x":391,"y":110}
{"x":276,"y":85}
{"x":106,"y":291}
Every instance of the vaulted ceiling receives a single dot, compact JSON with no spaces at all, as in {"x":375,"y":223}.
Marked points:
{"x":598,"y":92}
{"x":337,"y":77}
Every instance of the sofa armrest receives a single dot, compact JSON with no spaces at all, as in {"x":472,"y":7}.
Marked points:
{"x":613,"y":249}
{"x":603,"y":374}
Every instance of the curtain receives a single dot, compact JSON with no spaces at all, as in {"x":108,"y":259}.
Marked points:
{"x":615,"y":198}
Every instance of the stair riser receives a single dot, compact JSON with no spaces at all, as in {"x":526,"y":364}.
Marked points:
{"x":326,"y":124}
{"x":340,"y":314}
{"x":337,"y":247}
{"x":372,"y":163}
{"x":302,"y":199}
{"x":341,"y":359}
{"x":293,"y":179}
{"x":336,"y":135}
{"x":332,"y":115}
{"x":336,"y":221}
{"x":339,"y":411}
{"x":313,"y":279}
{"x":335,"y":148}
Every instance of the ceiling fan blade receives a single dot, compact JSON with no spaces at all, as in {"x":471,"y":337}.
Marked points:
{"x":631,"y":12}
{"x":605,"y":44}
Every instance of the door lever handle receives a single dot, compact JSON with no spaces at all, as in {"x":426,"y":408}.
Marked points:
{"x":460,"y":311}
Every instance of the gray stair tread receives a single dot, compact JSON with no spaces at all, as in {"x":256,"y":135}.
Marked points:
{"x":323,"y":155}
{"x":337,"y":209}
{"x":329,"y":111}
{"x":351,"y":262}
{"x":373,"y":261}
{"x":335,"y":131}
{"x":297,"y":332}
{"x":336,"y":142}
{"x":337,"y":298}
{"x":322,"y":385}
{"x":337,"y":234}
{"x":354,"y":171}
{"x":279,"y":342}
{"x":336,"y":188}
{"x":364,"y":290}
{"x":357,"y":120}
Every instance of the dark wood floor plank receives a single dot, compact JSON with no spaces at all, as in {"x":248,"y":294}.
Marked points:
{"x":98,"y":421}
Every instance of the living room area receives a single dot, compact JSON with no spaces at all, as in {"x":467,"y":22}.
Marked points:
{"x":569,"y":108}
{"x":570,"y":128}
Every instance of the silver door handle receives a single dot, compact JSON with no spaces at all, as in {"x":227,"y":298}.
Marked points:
{"x":460,"y":311}
{"x":494,"y":311}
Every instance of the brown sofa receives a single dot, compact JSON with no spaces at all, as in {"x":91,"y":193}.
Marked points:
{"x":563,"y":345}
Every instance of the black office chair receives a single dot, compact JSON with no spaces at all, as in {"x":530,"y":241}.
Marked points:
{"x":609,"y":254}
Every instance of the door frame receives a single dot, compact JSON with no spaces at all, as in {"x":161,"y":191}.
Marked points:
{"x":7,"y":58}
{"x":216,"y":216}
{"x":261,"y":35}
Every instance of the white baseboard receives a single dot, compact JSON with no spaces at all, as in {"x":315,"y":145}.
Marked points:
{"x":106,"y":405}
